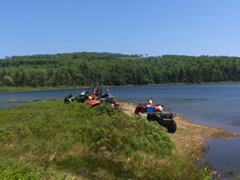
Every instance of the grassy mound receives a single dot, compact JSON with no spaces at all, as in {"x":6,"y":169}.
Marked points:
{"x":52,"y":140}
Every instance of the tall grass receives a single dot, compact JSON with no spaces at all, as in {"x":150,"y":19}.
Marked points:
{"x":47,"y":139}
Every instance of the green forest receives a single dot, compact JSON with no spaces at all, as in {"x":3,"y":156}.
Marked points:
{"x":85,"y":68}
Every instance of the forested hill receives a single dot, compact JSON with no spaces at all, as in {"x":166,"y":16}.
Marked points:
{"x":83,"y":69}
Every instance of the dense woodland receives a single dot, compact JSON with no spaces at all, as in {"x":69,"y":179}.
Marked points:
{"x":83,"y":69}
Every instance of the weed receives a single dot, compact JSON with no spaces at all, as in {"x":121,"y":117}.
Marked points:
{"x":230,"y":171}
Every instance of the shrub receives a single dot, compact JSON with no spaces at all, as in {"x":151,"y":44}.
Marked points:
{"x":76,"y":136}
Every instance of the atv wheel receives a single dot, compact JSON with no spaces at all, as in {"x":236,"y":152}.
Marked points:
{"x":80,"y":100}
{"x":67,"y":101}
{"x":172,"y":127}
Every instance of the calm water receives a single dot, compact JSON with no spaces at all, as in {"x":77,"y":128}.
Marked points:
{"x":223,"y":155}
{"x":8,"y":104}
{"x":215,"y":105}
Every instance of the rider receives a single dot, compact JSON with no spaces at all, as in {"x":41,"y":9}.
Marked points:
{"x":106,"y":94}
{"x":83,"y":93}
{"x":95,"y":93}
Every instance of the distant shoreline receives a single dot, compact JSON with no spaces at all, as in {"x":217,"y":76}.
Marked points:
{"x":18,"y":89}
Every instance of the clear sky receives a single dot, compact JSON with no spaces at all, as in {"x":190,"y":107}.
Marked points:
{"x":153,"y":27}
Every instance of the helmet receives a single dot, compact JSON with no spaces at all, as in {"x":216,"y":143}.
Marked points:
{"x":116,"y":103}
{"x":89,"y":97}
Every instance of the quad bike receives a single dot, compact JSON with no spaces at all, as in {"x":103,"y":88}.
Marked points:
{"x":107,"y":98}
{"x":93,"y":102}
{"x":153,"y":113}
{"x":112,"y":102}
{"x":80,"y":98}
{"x":70,"y":98}
{"x":94,"y":99}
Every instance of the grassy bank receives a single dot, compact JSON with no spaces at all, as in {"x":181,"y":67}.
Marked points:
{"x":12,"y":100}
{"x":189,"y":138}
{"x":52,"y":140}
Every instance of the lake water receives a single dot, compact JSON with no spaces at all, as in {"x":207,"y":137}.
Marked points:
{"x":223,"y":156}
{"x":215,"y":105}
{"x":8,"y":104}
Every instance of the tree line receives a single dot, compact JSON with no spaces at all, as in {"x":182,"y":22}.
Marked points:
{"x":84,"y":69}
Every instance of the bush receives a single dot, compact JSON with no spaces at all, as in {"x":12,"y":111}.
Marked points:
{"x":88,"y":142}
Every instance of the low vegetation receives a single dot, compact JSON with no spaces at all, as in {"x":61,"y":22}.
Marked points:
{"x":48,"y":139}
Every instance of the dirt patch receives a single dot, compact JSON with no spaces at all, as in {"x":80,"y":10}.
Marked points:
{"x":128,"y":108}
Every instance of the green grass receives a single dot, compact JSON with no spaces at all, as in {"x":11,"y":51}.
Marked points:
{"x":48,"y":139}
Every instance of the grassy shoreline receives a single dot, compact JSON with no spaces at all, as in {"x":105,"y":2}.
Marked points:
{"x":56,"y":140}
{"x":189,"y":138}
{"x":198,"y":134}
{"x":27,"y":88}
{"x":13,"y":100}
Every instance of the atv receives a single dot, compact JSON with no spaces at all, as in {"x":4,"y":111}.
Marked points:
{"x":112,"y":102}
{"x":154,"y":113}
{"x":80,"y":98}
{"x":94,"y":97}
{"x":70,"y":98}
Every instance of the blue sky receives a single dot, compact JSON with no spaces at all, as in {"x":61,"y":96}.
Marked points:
{"x":153,"y":27}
